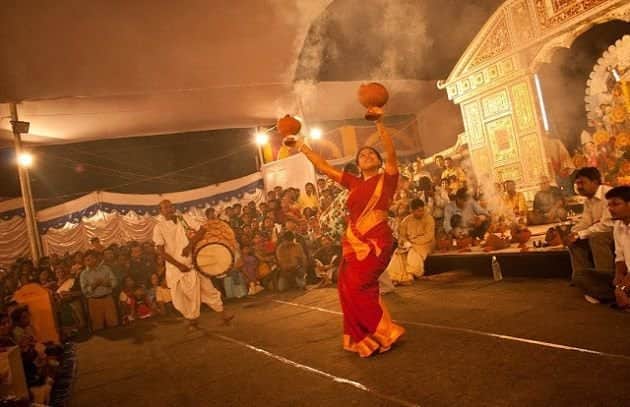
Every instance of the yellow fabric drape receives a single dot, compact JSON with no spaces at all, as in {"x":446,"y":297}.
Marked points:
{"x":366,"y":221}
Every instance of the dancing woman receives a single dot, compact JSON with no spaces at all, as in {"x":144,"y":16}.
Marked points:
{"x":367,"y":246}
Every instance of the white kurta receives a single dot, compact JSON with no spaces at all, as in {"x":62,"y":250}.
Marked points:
{"x":188,"y":290}
{"x":416,"y":238}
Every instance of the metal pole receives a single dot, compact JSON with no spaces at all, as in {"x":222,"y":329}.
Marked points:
{"x":27,"y":196}
{"x":261,"y":159}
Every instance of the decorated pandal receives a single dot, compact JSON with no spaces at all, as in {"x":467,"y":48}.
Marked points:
{"x":606,"y":145}
{"x":497,"y":87}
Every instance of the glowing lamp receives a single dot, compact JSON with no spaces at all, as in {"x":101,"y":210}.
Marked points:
{"x":316,"y":134}
{"x":25,"y":160}
{"x":262,"y":138}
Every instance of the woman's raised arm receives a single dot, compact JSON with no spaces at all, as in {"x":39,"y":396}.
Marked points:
{"x":319,"y":162}
{"x":391,"y":161}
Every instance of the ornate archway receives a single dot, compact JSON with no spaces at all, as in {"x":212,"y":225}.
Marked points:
{"x":494,"y":82}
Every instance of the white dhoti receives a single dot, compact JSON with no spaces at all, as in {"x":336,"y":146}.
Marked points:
{"x":189,"y":290}
{"x":385,"y":284}
{"x":416,"y":238}
{"x":415,"y":260}
{"x":404,"y":266}
{"x":397,"y":268}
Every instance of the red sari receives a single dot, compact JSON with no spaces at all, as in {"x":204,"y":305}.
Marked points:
{"x":367,"y":249}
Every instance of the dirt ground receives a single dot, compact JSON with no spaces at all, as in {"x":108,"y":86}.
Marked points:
{"x":470,"y":341}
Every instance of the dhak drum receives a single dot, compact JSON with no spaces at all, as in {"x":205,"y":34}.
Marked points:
{"x":214,"y":254}
{"x":290,"y":256}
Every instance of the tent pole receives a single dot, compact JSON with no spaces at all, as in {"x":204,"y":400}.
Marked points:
{"x":27,"y":196}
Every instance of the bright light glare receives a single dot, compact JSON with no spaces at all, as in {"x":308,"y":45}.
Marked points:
{"x":25,"y":160}
{"x":616,"y":75}
{"x":316,"y":133}
{"x":541,"y":100}
{"x":262,"y":139}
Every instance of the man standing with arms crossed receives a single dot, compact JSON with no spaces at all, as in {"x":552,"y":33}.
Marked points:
{"x":188,"y":288}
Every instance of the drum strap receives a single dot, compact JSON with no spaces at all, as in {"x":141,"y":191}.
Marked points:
{"x":187,"y":227}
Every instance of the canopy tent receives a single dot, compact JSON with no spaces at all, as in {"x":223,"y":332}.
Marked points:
{"x":106,"y":69}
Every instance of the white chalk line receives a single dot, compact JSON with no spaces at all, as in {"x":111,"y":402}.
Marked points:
{"x":482,"y":333}
{"x":318,"y":372}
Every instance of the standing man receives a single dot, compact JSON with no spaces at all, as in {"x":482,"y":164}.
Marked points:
{"x":175,"y":241}
{"x":619,"y":207}
{"x":591,"y":243}
{"x":97,"y":282}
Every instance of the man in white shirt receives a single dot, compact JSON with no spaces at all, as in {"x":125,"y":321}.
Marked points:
{"x":175,"y":240}
{"x":619,"y":207}
{"x":591,"y":243}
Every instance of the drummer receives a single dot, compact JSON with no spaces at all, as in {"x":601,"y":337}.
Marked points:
{"x":188,"y":288}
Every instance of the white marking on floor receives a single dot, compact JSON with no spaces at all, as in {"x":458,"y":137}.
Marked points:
{"x":476,"y":332}
{"x":310,"y":369}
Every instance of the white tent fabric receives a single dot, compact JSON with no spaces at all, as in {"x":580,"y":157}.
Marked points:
{"x":13,"y":240}
{"x":294,"y":171}
{"x":160,"y":67}
{"x":112,"y":217}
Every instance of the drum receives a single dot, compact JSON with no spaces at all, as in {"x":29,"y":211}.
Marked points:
{"x":214,"y":254}
{"x":290,"y":256}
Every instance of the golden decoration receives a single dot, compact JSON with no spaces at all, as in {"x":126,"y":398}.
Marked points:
{"x":579,"y":160}
{"x":624,"y":170}
{"x":623,"y":140}
{"x":601,"y":137}
{"x":623,"y":180}
{"x":618,"y":114}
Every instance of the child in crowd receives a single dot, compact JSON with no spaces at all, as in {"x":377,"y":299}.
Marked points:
{"x":250,"y":270}
{"x":163,"y":297}
{"x":128,"y":301}
{"x":143,"y":303}
{"x":459,"y":231}
{"x":154,"y":281}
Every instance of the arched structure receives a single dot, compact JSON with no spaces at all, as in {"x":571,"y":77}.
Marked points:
{"x":494,"y":82}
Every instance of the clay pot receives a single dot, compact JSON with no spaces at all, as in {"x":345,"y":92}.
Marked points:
{"x":553,"y":237}
{"x":494,"y":242}
{"x":443,"y":244}
{"x":521,"y":236}
{"x":288,"y":126}
{"x":464,"y":243}
{"x":373,"y":95}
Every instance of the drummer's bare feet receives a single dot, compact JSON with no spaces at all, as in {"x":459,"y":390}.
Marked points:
{"x":226,"y":318}
{"x":193,"y":325}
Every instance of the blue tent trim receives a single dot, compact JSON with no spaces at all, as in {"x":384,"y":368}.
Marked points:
{"x":12,"y":213}
{"x":152,"y":210}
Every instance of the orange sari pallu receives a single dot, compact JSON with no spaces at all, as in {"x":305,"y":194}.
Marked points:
{"x":367,"y":250}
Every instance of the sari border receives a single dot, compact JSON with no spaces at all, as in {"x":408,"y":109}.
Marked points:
{"x":385,"y":335}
